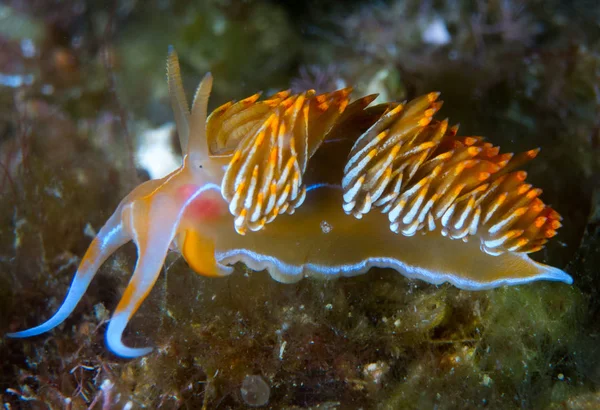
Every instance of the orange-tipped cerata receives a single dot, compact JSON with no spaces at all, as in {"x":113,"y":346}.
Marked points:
{"x":426,"y":178}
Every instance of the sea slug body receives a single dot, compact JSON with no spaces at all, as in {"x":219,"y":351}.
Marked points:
{"x":319,"y":185}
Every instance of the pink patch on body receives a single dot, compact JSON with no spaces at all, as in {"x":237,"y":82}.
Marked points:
{"x":208,"y":205}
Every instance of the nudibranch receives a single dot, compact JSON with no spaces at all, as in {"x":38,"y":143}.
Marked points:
{"x":316,"y":185}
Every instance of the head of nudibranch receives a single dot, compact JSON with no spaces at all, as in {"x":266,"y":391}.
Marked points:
{"x":289,"y":184}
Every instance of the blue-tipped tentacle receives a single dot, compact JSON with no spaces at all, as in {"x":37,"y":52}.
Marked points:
{"x":153,"y":226}
{"x":114,"y":333}
{"x":108,"y":240}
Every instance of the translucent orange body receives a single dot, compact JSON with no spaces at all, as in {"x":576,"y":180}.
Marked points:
{"x":316,"y":185}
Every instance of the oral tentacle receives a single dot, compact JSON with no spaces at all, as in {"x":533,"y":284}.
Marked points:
{"x":111,"y":237}
{"x":152,"y":223}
